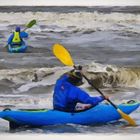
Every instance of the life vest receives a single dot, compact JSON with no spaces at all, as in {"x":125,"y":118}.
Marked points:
{"x":16,"y":38}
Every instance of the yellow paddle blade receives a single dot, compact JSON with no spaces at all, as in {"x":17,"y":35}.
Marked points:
{"x":126,"y":117}
{"x":63,"y":55}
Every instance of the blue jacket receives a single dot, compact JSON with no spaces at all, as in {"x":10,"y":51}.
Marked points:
{"x":66,"y":96}
{"x":22,"y":35}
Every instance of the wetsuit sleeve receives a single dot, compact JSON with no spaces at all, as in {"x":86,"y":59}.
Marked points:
{"x":10,"y":39}
{"x":23,"y":34}
{"x":83,"y":97}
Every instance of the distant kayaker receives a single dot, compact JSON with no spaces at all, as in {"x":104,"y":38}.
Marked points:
{"x":16,"y":38}
{"x":67,"y":94}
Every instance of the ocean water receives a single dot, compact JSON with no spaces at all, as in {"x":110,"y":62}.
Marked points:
{"x":104,"y":40}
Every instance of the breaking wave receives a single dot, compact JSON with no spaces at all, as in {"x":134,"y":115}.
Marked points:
{"x":108,"y":75}
{"x":101,"y":76}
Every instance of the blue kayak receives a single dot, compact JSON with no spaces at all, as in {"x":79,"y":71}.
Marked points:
{"x":17,"y":48}
{"x":100,"y":114}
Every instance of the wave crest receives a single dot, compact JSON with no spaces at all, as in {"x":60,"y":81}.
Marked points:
{"x":113,"y":76}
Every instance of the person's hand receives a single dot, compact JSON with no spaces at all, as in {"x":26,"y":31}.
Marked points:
{"x":106,"y":97}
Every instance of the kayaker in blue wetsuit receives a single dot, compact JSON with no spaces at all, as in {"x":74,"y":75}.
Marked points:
{"x":16,"y":38}
{"x":67,"y":94}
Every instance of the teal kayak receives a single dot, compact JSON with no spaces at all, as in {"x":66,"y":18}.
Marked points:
{"x":17,"y":48}
{"x":100,"y":114}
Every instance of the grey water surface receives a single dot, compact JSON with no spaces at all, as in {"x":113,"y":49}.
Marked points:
{"x":105,"y":40}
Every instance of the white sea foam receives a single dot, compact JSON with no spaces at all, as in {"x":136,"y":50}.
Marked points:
{"x":72,"y":21}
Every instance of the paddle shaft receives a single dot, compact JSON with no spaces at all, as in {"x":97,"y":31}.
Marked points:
{"x":24,"y":29}
{"x":99,"y":91}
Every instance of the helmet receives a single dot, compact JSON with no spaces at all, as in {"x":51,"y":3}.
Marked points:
{"x":17,"y":29}
{"x":75,"y":78}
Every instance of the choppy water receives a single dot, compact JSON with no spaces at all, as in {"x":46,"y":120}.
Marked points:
{"x":105,"y":40}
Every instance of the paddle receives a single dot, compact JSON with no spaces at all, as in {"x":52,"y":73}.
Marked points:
{"x":64,"y":56}
{"x":29,"y":25}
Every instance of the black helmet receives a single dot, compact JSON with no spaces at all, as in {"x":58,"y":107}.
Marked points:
{"x":75,"y":78}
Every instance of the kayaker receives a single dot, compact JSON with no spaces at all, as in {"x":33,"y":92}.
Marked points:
{"x":67,"y":93}
{"x":16,"y":38}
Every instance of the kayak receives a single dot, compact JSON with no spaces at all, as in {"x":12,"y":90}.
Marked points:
{"x":17,"y":48}
{"x":100,"y":114}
